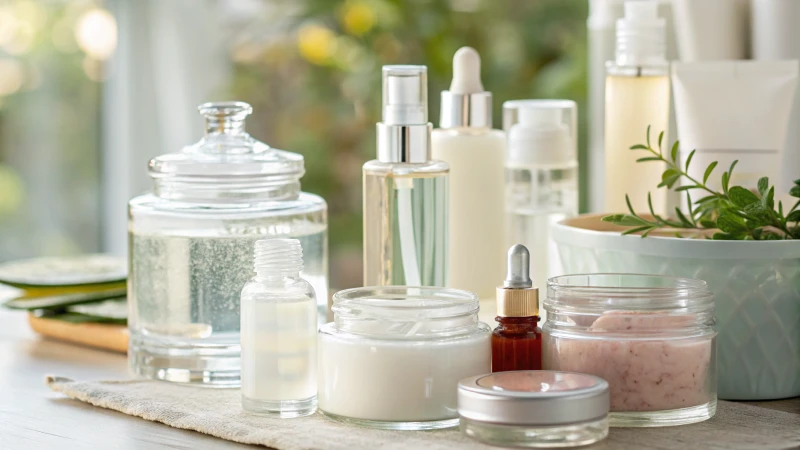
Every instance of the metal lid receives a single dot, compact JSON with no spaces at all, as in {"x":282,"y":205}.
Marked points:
{"x":466,"y":104}
{"x":533,"y":397}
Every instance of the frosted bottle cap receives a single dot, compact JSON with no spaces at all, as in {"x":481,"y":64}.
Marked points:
{"x":540,"y":132}
{"x":405,"y":95}
{"x":641,"y":35}
{"x":533,"y":397}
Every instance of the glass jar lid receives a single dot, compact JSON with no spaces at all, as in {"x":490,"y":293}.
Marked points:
{"x":228,"y":154}
{"x":533,"y":397}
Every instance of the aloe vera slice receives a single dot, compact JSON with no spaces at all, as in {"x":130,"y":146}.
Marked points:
{"x":62,"y":301}
{"x":64,"y":271}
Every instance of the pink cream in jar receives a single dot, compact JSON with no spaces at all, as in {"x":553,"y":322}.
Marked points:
{"x":649,"y":337}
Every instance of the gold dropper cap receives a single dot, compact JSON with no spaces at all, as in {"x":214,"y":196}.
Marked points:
{"x":517,"y":297}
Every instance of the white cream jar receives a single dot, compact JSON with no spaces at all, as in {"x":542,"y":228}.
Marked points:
{"x":393,"y":356}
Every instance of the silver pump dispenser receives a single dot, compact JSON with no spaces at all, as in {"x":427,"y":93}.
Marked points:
{"x":404,"y":135}
{"x":466,"y":104}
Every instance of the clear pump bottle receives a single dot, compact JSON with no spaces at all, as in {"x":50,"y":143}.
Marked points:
{"x":279,"y":333}
{"x":405,"y":191}
{"x":541,"y":177}
{"x":637,"y":96}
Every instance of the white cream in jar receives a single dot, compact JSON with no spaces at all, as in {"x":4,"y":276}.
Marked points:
{"x":393,"y":356}
{"x":649,"y":337}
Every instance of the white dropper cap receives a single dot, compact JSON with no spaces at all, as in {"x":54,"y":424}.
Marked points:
{"x":466,"y":72}
{"x":405,"y":95}
{"x":466,"y":104}
{"x":641,"y":35}
{"x":540,"y":137}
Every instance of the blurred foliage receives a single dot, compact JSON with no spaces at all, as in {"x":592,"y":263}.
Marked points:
{"x":314,"y":81}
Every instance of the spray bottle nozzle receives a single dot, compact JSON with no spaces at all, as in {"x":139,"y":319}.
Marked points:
{"x":405,"y":95}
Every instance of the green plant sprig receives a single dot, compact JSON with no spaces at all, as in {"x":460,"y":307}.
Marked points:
{"x":738,"y":213}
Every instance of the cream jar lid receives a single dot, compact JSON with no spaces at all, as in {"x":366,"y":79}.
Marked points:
{"x":533,"y":397}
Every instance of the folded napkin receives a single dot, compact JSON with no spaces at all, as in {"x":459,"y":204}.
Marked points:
{"x":218,"y":412}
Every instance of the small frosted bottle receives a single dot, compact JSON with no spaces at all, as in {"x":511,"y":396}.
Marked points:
{"x":278,"y":333}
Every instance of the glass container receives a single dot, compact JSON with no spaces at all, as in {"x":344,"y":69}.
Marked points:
{"x":650,"y":337}
{"x":191,"y":242}
{"x":279,"y":334}
{"x":541,"y":177}
{"x":534,"y":409}
{"x":393,"y":356}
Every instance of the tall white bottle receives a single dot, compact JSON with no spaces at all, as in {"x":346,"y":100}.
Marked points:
{"x":476,"y":154}
{"x":637,"y":96}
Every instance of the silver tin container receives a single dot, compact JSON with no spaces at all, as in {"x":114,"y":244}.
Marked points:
{"x":534,"y":408}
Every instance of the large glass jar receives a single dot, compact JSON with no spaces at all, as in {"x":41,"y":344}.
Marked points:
{"x":191,"y":247}
{"x":393,"y":356}
{"x":650,"y":337}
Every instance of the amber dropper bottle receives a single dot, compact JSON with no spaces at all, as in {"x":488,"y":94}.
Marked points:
{"x":517,"y":340}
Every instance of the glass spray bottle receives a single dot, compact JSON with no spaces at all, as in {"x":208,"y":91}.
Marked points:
{"x":405,"y":192}
{"x":637,"y":96}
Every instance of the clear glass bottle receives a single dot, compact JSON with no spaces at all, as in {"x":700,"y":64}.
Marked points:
{"x":637,"y":97}
{"x":405,"y":192}
{"x":650,"y":337}
{"x":393,"y":356}
{"x":191,"y":244}
{"x":541,"y":177}
{"x":279,"y":333}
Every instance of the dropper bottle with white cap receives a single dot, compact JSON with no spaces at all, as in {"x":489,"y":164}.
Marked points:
{"x":637,"y":96}
{"x":475,"y":152}
{"x":405,"y":190}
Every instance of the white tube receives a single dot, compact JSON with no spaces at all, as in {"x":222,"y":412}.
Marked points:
{"x":711,"y":30}
{"x":734,"y":110}
{"x":776,"y":36}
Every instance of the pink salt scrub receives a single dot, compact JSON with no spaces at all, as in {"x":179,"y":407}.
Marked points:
{"x":650,"y":373}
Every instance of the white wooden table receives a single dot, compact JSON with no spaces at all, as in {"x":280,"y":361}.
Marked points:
{"x":34,"y":418}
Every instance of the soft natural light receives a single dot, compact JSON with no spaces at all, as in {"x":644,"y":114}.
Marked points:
{"x":96,"y":33}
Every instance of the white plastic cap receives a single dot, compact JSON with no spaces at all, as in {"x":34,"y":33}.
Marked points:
{"x":541,"y":134}
{"x":641,"y":35}
{"x":466,"y":72}
{"x":405,"y":95}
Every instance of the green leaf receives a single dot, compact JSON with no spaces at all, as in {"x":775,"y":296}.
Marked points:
{"x":719,"y":236}
{"x":638,"y":147}
{"x":688,"y":158}
{"x":797,"y":181}
{"x":674,"y":152}
{"x":630,"y":207}
{"x":660,"y":139}
{"x":794,"y":216}
{"x":648,"y":137}
{"x":731,"y":223}
{"x":705,"y":199}
{"x":649,"y":158}
{"x":684,"y":220}
{"x":669,"y":181}
{"x":771,"y":198}
{"x":636,"y":230}
{"x":626,"y":220}
{"x":708,"y":223}
{"x":795,"y":191}
{"x":709,"y":169}
{"x":733,"y":164}
{"x":725,"y":182}
{"x":742,"y":197}
{"x":686,"y":188}
{"x":763,"y":186}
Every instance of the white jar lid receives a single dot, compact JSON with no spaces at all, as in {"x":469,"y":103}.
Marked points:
{"x":533,"y":397}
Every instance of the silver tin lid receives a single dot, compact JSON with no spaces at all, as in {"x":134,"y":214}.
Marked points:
{"x":533,"y":397}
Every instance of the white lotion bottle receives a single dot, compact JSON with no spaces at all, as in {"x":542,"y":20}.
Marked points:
{"x":637,"y":96}
{"x":279,"y":334}
{"x":475,"y":152}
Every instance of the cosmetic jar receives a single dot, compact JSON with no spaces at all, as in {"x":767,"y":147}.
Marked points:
{"x":393,"y":356}
{"x":534,"y":408}
{"x":650,"y":337}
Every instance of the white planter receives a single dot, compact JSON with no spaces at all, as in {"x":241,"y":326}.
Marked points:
{"x":757,"y":288}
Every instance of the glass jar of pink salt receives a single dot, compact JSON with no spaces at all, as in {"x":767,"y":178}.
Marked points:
{"x":650,"y":337}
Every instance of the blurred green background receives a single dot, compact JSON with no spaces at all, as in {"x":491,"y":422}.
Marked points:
{"x":310,"y":68}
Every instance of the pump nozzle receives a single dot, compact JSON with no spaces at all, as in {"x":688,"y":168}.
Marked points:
{"x":466,"y":72}
{"x":405,"y":95}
